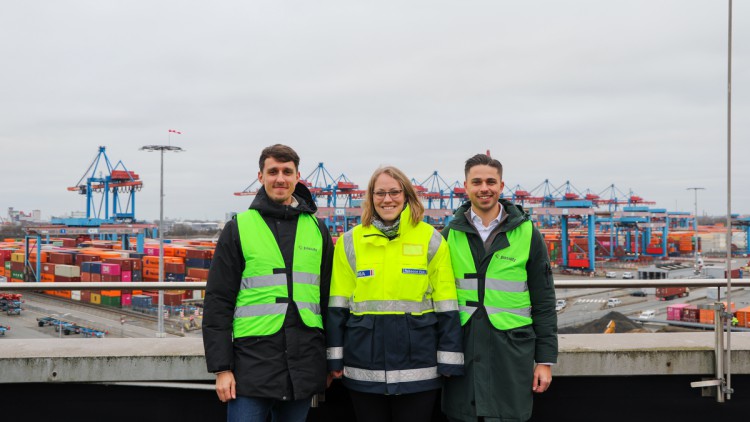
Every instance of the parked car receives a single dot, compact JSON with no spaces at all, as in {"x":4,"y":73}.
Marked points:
{"x":648,"y":314}
{"x":561,"y":303}
{"x":638,"y":292}
{"x":627,"y":275}
{"x":610,"y":274}
{"x":613,"y":301}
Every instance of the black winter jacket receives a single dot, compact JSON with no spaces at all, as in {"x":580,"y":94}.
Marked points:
{"x":287,"y":365}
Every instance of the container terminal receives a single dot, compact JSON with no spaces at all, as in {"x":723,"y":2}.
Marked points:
{"x":598,"y":235}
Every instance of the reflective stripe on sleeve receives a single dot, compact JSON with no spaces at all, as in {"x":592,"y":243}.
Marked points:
{"x":349,"y":249}
{"x":450,"y":358}
{"x":334,"y":353}
{"x":434,"y":245}
{"x":391,"y":377}
{"x":338,"y":302}
{"x":258,"y":310}
{"x":263,"y":281}
{"x":405,"y":306}
{"x":446,"y":305}
{"x":506,"y":285}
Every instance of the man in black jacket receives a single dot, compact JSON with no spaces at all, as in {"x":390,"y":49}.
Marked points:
{"x":266,"y":293}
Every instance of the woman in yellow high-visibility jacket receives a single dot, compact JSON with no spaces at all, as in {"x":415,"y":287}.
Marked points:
{"x":393,"y":329}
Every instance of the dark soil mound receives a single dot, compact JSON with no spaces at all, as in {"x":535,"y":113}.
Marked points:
{"x":622,"y":325}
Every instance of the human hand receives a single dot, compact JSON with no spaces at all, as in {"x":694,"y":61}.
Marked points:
{"x":542,"y":378}
{"x":226,"y":386}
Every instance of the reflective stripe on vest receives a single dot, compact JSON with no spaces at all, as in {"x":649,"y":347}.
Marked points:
{"x":391,"y":377}
{"x":506,"y":295}
{"x":264,"y":280}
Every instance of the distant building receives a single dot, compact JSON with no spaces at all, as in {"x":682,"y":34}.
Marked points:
{"x":666,"y":271}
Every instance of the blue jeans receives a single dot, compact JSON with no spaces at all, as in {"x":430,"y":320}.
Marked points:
{"x":254,"y":409}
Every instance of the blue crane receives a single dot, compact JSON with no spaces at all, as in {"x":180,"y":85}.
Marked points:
{"x":115,"y":188}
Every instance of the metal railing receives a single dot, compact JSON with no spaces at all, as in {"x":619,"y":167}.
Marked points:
{"x":722,"y":318}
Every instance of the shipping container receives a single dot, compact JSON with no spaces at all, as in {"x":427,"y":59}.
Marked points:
{"x":674,"y":312}
{"x":690,"y":314}
{"x":67,"y":270}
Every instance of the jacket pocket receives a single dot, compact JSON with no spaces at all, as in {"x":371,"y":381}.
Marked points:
{"x":359,"y":341}
{"x":423,"y":339}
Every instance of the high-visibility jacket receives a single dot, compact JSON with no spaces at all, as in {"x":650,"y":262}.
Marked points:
{"x":505,"y":293}
{"x":393,"y":325}
{"x":264,"y":294}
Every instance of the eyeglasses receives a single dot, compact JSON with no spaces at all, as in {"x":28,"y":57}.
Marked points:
{"x":394,"y":194}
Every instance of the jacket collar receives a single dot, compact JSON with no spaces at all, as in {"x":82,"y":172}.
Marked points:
{"x":515,"y":216}
{"x":403,"y":228}
{"x":268,"y":208}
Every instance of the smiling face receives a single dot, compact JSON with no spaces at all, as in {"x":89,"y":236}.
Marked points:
{"x":483,"y":186}
{"x":279,"y":179}
{"x":388,"y":207}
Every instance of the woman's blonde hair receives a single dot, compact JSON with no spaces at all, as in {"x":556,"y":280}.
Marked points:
{"x":410,"y":195}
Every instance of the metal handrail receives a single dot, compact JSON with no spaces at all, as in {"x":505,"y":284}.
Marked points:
{"x":200,"y":285}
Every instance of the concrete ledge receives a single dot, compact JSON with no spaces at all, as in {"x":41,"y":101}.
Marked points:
{"x":180,"y":360}
{"x":101,"y":360}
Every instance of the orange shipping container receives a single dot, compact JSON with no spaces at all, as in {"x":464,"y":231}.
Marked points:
{"x":48,"y":278}
{"x":706,"y":316}
{"x":743,"y":317}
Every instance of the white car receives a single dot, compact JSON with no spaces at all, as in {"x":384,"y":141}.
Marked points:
{"x":561,"y":303}
{"x":648,"y":314}
{"x":610,"y":274}
{"x":627,"y":275}
{"x":613,"y":301}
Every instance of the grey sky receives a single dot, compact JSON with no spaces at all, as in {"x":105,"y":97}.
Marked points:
{"x":625,"y":92}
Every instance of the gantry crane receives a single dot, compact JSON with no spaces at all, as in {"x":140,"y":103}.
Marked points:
{"x":112,"y":182}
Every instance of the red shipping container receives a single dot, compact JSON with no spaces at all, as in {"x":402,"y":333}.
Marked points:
{"x":86,"y":277}
{"x":137,"y":264}
{"x":96,"y":277}
{"x":173,"y":298}
{"x":60,"y":278}
{"x":110,"y":269}
{"x":170,"y":267}
{"x":48,"y":268}
{"x":110,"y":277}
{"x":60,"y":258}
{"x":83,"y":257}
{"x":126,"y":276}
{"x":198,"y":253}
{"x":690,"y":314}
{"x":86,"y":296}
{"x":199,"y":273}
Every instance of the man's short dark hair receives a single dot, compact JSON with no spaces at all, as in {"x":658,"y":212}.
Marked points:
{"x":280,"y":153}
{"x":483,"y":160}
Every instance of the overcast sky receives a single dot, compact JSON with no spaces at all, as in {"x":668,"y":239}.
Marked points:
{"x":631,"y":93}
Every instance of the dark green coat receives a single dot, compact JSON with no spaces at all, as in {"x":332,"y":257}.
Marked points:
{"x":499,"y":365}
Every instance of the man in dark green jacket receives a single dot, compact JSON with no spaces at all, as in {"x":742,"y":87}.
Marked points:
{"x":506,"y":300}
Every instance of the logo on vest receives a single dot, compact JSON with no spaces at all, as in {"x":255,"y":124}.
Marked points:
{"x":507,"y":258}
{"x":365,"y":273}
{"x":415,"y":271}
{"x":307,"y":248}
